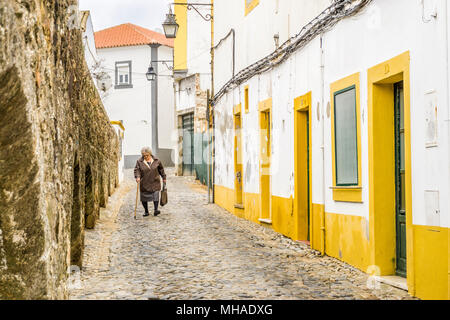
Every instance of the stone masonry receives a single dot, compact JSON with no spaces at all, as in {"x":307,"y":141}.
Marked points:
{"x":58,"y":151}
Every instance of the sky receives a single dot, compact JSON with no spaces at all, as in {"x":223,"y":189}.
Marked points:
{"x":108,"y":13}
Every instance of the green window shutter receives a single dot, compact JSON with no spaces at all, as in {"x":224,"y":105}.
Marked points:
{"x":346,"y":146}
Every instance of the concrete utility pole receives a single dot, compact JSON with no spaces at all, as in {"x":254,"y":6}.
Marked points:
{"x":154,"y":90}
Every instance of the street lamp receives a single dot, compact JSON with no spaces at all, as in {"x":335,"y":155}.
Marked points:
{"x":170,"y":26}
{"x":170,"y":29}
{"x":151,"y":74}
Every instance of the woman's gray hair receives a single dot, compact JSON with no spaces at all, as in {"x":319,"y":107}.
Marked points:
{"x":146,"y":150}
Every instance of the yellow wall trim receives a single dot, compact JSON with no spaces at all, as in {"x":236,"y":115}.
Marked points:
{"x":265,"y":156}
{"x":302,"y":113}
{"x":381,"y":169}
{"x":246,"y":99}
{"x":180,"y":44}
{"x":342,"y":193}
{"x":265,"y":105}
{"x":432,"y":269}
{"x":250,"y":5}
{"x":118,"y":123}
{"x":237,"y":109}
{"x":348,"y":239}
{"x":347,"y":194}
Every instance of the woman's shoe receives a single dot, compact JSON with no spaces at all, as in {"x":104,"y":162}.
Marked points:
{"x":157,"y":213}
{"x":146,"y":214}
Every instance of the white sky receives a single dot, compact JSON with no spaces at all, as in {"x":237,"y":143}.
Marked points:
{"x":149,"y":14}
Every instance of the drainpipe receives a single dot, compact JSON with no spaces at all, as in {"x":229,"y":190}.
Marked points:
{"x":213,"y":161}
{"x":208,"y":175}
{"x":322,"y":79}
{"x":447,"y":17}
{"x":154,"y":99}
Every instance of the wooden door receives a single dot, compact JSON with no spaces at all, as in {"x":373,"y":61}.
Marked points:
{"x":238,"y":160}
{"x":400,"y":180}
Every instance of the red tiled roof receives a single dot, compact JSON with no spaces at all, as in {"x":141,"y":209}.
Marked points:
{"x":129,"y":35}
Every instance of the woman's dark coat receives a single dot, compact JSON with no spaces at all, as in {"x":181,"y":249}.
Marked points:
{"x":150,"y":177}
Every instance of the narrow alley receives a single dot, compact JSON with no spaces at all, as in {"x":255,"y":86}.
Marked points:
{"x":198,"y":251}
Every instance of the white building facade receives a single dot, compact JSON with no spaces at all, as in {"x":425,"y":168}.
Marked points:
{"x":192,"y":75}
{"x":100,"y":78}
{"x":335,"y":129}
{"x":145,"y":108}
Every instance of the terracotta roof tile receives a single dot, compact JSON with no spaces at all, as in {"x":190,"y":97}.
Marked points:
{"x":129,"y":35}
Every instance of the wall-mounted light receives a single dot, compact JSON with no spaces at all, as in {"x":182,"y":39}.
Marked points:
{"x":170,"y":26}
{"x":151,"y":74}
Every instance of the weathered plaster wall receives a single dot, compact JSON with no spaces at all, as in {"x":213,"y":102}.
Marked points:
{"x":381,"y":33}
{"x":58,"y":152}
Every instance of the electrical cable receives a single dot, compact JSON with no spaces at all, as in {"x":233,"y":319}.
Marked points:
{"x":337,"y":11}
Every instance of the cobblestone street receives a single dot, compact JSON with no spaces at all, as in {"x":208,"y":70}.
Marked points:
{"x":198,"y":251}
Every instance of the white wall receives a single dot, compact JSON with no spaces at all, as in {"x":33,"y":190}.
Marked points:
{"x":167,"y":134}
{"x":89,"y":43}
{"x":198,"y":41}
{"x":185,"y":94}
{"x":198,"y":57}
{"x":133,"y":106}
{"x":380,"y":32}
{"x":255,"y":32}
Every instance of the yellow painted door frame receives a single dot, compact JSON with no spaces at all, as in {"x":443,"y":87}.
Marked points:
{"x":382,"y":210}
{"x":238,"y":167}
{"x":265,"y":123}
{"x":303,"y":186}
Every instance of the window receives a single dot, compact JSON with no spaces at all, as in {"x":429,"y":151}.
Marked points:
{"x":345,"y":134}
{"x":247,"y":107}
{"x":123,"y":75}
{"x":346,"y":139}
{"x":250,"y":5}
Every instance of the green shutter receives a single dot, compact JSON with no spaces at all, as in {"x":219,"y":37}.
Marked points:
{"x":346,"y":137}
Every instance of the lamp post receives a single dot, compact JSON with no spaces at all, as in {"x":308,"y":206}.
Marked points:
{"x":152,"y":77}
{"x":171,"y":28}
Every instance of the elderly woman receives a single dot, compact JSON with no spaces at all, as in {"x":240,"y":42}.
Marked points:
{"x":147,"y":172}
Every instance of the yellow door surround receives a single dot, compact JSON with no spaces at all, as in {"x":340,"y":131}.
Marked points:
{"x":250,"y":5}
{"x":265,"y":115}
{"x":238,"y":165}
{"x":302,"y":109}
{"x":351,"y":193}
{"x":381,"y":80}
{"x":246,"y":99}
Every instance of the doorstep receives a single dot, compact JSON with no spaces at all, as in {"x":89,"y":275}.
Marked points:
{"x":394,"y":281}
{"x":266,"y":221}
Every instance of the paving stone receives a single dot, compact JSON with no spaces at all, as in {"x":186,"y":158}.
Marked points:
{"x":198,"y":251}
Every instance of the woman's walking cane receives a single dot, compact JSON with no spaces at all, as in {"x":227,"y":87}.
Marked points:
{"x":137,"y":193}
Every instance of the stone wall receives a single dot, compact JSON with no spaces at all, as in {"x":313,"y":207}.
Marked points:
{"x":58,"y":151}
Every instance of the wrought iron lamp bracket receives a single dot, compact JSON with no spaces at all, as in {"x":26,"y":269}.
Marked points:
{"x":190,"y":6}
{"x":164,"y":62}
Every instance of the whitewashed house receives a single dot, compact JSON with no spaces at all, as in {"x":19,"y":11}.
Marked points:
{"x":101,"y":80}
{"x":345,"y":139}
{"x":145,"y":108}
{"x":192,"y":75}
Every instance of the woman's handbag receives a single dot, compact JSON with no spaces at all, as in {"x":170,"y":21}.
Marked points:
{"x":164,"y":198}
